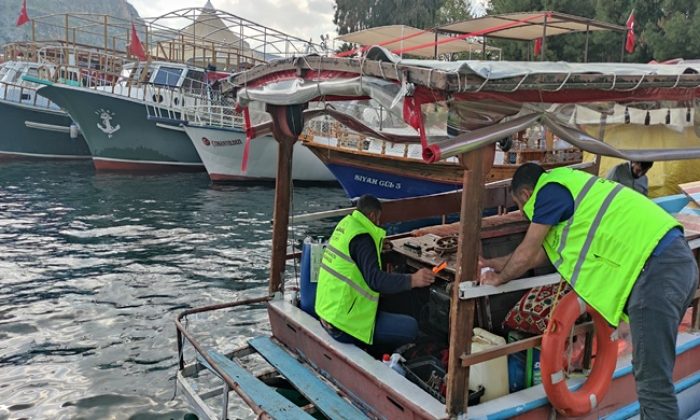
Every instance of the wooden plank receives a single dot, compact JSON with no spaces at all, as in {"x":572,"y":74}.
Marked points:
{"x":692,"y":190}
{"x":510,"y":348}
{"x":467,"y":290}
{"x":690,"y":222}
{"x":514,"y":347}
{"x":305,"y":381}
{"x":462,"y":312}
{"x":285,"y":139}
{"x":275,"y":405}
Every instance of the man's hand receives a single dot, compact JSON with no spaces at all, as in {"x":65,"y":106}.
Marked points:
{"x":496,"y":264}
{"x":491,"y":278}
{"x":422,"y":278}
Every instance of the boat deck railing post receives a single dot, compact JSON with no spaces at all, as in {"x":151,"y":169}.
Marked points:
{"x":462,"y":311}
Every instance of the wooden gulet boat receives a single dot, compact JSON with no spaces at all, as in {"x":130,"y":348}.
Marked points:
{"x":389,"y":176}
{"x":343,"y":381}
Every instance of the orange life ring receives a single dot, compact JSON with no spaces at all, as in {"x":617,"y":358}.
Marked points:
{"x":587,"y":397}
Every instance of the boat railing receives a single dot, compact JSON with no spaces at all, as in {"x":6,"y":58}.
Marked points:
{"x":204,"y":360}
{"x":221,"y":115}
{"x":216,"y":116}
{"x":25,"y":95}
{"x":344,"y":138}
{"x":335,"y":134}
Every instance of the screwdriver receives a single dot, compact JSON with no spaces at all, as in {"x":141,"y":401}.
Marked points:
{"x":438,"y":268}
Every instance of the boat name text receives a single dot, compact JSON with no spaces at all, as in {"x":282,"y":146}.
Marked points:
{"x":379,"y":182}
{"x":218,"y":143}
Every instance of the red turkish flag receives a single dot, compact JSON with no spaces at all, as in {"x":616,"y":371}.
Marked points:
{"x":23,"y":16}
{"x":631,"y":38}
{"x":135,"y":47}
{"x":538,"y":46}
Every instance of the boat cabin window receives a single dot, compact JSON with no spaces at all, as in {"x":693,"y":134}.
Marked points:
{"x":167,"y":76}
{"x":33,"y":72}
{"x":195,"y":82}
{"x":69,"y":77}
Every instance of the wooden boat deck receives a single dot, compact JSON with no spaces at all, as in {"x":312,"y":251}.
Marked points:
{"x":268,"y":400}
{"x":317,"y":391}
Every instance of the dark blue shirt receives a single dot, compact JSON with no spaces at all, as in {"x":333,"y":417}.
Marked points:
{"x":364,"y":253}
{"x":554,"y":204}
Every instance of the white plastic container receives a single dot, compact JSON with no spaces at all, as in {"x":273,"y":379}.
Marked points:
{"x":394,"y":362}
{"x":492,"y":375}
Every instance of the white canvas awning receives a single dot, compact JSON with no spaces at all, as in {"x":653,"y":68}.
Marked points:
{"x":529,"y":26}
{"x":400,"y":37}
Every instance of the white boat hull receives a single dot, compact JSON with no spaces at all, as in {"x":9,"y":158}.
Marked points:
{"x":221,"y":151}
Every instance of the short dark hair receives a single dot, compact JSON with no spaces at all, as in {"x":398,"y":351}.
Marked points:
{"x":526,"y":176}
{"x":368,"y":204}
{"x":645,"y":165}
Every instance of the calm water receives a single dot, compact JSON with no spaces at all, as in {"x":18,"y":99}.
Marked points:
{"x":95,"y":267}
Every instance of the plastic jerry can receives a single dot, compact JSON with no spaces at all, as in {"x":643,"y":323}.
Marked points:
{"x":492,"y":375}
{"x":311,"y":255}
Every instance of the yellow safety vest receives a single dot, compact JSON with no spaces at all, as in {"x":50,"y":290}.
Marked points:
{"x":603,"y":247}
{"x":343,"y":298}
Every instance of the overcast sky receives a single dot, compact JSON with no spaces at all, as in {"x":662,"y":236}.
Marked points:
{"x":302,"y":18}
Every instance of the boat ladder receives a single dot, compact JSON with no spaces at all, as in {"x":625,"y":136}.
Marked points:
{"x":319,"y":396}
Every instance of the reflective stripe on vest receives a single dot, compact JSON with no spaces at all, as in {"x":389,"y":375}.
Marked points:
{"x":565,"y":232}
{"x":350,"y":283}
{"x":343,"y":298}
{"x":591,"y":233}
{"x":603,"y":246}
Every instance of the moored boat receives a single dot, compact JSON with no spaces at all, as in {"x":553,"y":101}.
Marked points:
{"x":136,"y":126}
{"x":218,"y":134}
{"x":391,"y":171}
{"x":34,"y":127}
{"x":300,"y":354}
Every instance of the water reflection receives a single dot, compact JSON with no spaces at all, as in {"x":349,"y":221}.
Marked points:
{"x":95,"y":268}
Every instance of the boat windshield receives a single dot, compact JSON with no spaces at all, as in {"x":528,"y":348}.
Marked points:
{"x":167,"y":76}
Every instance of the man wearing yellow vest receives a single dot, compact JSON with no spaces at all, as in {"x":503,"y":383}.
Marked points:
{"x":621,"y":253}
{"x":351,"y":280}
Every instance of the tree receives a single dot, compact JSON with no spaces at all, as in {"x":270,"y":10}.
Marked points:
{"x":665,"y":29}
{"x":453,"y":11}
{"x":675,"y":33}
{"x":355,"y":15}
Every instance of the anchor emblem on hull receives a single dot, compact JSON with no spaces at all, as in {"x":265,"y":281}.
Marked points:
{"x":106,"y":118}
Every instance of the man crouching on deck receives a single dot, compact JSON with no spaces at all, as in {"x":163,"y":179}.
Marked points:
{"x":621,"y":253}
{"x":351,"y":280}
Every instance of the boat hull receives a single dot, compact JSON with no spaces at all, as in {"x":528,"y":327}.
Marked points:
{"x":32,"y":132}
{"x":221,"y":151}
{"x":391,"y":177}
{"x":121,"y":136}
{"x":297,"y":330}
